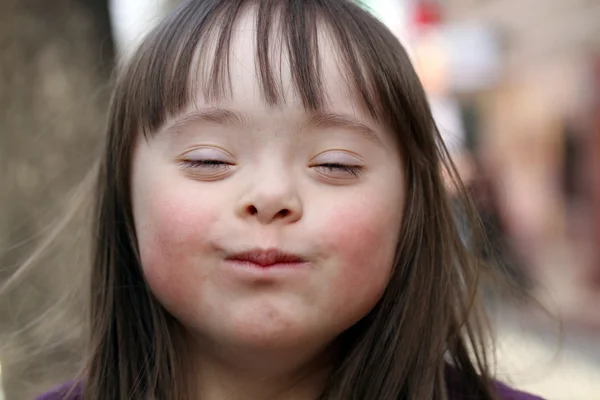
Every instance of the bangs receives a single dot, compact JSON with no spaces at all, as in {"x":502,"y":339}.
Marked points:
{"x":190,"y":53}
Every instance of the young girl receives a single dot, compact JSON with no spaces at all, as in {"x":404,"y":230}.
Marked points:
{"x":271,"y":221}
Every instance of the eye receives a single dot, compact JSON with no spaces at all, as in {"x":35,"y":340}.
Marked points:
{"x":205,"y":164}
{"x":338,"y":164}
{"x":337,"y":169}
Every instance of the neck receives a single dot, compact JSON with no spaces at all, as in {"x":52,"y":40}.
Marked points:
{"x":237,"y":374}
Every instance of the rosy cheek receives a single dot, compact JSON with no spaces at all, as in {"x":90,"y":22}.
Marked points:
{"x":363,"y":239}
{"x":170,"y":233}
{"x":359,"y":232}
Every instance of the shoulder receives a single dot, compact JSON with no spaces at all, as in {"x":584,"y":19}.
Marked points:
{"x":459,"y":389}
{"x":502,"y":391}
{"x":68,"y":391}
{"x":507,"y":393}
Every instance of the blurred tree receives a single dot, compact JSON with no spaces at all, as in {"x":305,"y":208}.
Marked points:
{"x":55,"y":61}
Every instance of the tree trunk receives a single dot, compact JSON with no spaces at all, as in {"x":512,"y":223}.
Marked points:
{"x":54,"y":70}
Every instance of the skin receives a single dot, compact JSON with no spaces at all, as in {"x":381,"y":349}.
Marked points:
{"x":271,"y":183}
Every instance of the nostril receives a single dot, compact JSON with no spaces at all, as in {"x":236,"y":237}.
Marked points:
{"x":283,"y":213}
{"x":252,"y":210}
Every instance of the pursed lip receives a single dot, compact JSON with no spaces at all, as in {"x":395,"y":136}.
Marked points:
{"x":265,"y":258}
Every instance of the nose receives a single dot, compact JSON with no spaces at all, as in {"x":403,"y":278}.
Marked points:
{"x":272,"y":198}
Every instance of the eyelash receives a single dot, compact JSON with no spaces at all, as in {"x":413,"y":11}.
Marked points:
{"x":212,"y":164}
{"x":355,"y":170}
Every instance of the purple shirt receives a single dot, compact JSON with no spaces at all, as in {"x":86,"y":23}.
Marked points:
{"x":456,"y":391}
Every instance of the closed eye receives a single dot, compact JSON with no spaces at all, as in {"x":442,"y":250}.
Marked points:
{"x":205,"y":164}
{"x":336,"y":168}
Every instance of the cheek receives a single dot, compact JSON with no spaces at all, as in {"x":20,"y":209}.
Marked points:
{"x":168,"y":224}
{"x":171,"y":237}
{"x":363,"y":239}
{"x":363,"y":230}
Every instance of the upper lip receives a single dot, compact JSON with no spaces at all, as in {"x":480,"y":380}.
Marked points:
{"x":266,"y":257}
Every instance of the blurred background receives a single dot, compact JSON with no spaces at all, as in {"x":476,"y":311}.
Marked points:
{"x":515,"y":89}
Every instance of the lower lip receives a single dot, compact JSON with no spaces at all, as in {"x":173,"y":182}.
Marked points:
{"x":276,"y":266}
{"x":254,"y":272}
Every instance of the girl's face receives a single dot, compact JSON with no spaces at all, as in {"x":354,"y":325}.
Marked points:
{"x":268,"y":227}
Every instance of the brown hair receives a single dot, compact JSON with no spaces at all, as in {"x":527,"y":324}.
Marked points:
{"x":428,"y":317}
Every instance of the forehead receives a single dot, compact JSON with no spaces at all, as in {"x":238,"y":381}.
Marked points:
{"x":255,"y":62}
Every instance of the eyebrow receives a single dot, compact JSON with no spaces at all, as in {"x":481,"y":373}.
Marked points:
{"x":345,"y":122}
{"x":319,"y":120}
{"x":216,"y":116}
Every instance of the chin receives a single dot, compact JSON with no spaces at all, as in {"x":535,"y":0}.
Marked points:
{"x":268,"y":331}
{"x":265,"y":333}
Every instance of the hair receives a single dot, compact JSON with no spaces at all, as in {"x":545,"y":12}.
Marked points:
{"x":429,"y":319}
